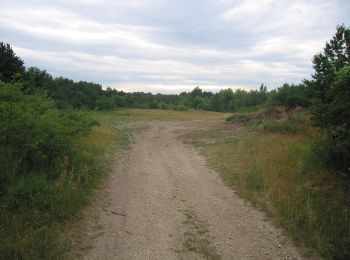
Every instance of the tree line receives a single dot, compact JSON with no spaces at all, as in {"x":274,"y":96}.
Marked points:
{"x":327,"y":94}
{"x":87,"y":95}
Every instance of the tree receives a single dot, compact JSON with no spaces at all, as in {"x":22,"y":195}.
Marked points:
{"x":223,"y":101}
{"x":196,"y":92}
{"x":10,"y":65}
{"x":334,"y":149}
{"x":339,"y":93}
{"x":331,"y":110}
{"x":34,"y":134}
{"x":36,"y":79}
{"x":327,"y":64}
{"x":296,"y":100}
{"x":335,"y":56}
{"x":105,"y":103}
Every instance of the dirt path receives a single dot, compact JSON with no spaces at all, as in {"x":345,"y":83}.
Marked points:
{"x":163,"y":202}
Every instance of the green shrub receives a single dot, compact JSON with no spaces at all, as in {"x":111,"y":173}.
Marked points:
{"x":153,"y":105}
{"x":181,"y":108}
{"x":163,"y":106}
{"x":283,"y":127}
{"x":331,"y":108}
{"x":30,"y":212}
{"x":105,"y":103}
{"x":34,"y":135}
{"x":239,"y":118}
{"x":44,"y":174}
{"x":334,"y":150}
{"x":334,"y":119}
{"x":39,"y":194}
{"x":297,"y":100}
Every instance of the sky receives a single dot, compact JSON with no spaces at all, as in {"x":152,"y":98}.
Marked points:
{"x":170,"y":46}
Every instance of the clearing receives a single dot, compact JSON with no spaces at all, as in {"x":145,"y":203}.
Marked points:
{"x":162,"y":201}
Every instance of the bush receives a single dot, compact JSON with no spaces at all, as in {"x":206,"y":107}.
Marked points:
{"x":34,"y":135}
{"x":153,"y":105}
{"x":334,"y":150}
{"x":334,"y":119}
{"x":331,"y":109}
{"x":297,"y":100}
{"x":181,"y":108}
{"x":283,"y":127}
{"x":105,"y":103}
{"x":163,"y":106}
{"x":242,"y":119}
{"x":44,"y":174}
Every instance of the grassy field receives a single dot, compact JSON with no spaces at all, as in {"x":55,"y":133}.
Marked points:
{"x":275,"y":171}
{"x":37,"y":210}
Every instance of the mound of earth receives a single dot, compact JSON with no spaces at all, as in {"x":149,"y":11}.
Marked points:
{"x":270,"y":113}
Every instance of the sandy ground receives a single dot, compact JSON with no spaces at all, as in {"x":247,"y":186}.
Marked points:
{"x":162,"y":201}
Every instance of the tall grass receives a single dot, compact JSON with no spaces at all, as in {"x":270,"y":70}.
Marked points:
{"x":276,"y":173}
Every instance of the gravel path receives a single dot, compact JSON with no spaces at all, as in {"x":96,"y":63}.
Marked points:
{"x":164,"y":202}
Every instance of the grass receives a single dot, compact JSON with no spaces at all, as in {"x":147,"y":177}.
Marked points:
{"x":132,"y":115}
{"x":37,"y":210}
{"x":240,"y":118}
{"x":275,"y":172}
{"x":196,"y":237}
{"x":283,"y":127}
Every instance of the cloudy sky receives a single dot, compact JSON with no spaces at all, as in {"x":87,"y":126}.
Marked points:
{"x":172,"y":45}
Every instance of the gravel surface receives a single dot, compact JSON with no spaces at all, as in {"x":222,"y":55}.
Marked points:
{"x":162,"y":201}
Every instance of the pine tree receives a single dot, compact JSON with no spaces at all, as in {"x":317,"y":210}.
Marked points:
{"x":11,"y":66}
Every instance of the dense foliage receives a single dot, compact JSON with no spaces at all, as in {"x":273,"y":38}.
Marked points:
{"x":34,"y":135}
{"x":11,"y":66}
{"x":331,"y":109}
{"x":67,"y":93}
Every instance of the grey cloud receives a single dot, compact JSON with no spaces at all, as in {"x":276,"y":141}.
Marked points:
{"x":168,"y":45}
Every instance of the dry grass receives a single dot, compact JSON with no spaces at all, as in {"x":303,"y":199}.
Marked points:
{"x":274,"y":172}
